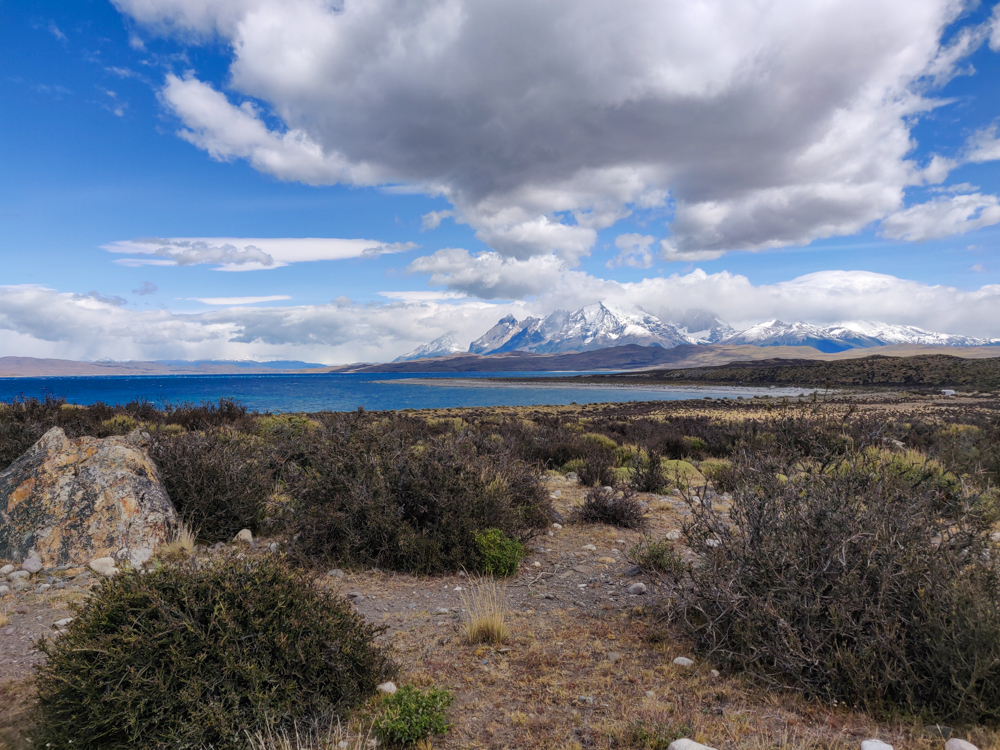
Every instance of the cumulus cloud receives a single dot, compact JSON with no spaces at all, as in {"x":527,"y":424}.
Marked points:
{"x":635,"y":251}
{"x":433,"y":219}
{"x":489,"y":275}
{"x":246,"y":254}
{"x":544,"y":122}
{"x":37,"y":321}
{"x":942,"y":217}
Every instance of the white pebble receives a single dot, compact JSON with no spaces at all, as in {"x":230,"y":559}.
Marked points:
{"x":686,"y":744}
{"x":6,"y":570}
{"x":956,"y":744}
{"x":637,"y":589}
{"x":875,"y":745}
{"x":683,"y":661}
{"x":387,"y":688}
{"x":244,"y":535}
{"x":557,"y":526}
{"x":590,"y":547}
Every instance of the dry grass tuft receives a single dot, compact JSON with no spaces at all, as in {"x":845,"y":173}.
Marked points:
{"x":486,"y":611}
{"x":318,"y":736}
{"x":3,"y":618}
{"x":183,"y":540}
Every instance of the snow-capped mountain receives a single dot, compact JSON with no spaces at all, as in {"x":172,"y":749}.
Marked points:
{"x":447,"y":344}
{"x":703,"y":327}
{"x":596,"y":326}
{"x":855,"y":334}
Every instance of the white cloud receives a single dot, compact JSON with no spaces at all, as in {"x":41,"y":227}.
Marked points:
{"x":433,"y":219}
{"x":984,"y":145}
{"x":489,"y":275}
{"x":146,"y":288}
{"x":760,"y":124}
{"x":246,"y":254}
{"x":36,"y":321}
{"x":942,"y":217}
{"x":995,"y":29}
{"x":635,"y":251}
{"x":239,"y":300}
{"x":56,"y":31}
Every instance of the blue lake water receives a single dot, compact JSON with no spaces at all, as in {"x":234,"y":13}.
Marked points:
{"x":346,"y":392}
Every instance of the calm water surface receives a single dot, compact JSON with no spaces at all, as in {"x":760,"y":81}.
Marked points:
{"x":346,"y":392}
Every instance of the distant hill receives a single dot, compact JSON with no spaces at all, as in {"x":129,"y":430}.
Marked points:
{"x":32,"y":367}
{"x":644,"y":358}
{"x":921,"y":371}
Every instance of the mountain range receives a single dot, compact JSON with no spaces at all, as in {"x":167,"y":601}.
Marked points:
{"x":604,"y":324}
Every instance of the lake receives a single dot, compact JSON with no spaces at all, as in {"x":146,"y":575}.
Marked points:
{"x":348,"y":391}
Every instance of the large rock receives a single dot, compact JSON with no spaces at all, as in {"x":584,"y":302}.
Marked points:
{"x":70,"y":501}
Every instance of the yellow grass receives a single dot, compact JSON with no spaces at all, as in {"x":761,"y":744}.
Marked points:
{"x":182,"y":541}
{"x":3,"y":618}
{"x":316,"y":737}
{"x":486,"y":611}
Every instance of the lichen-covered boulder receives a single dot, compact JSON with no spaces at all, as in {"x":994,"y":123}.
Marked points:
{"x":70,"y":501}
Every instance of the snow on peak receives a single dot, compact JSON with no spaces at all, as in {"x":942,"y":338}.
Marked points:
{"x":446,"y":344}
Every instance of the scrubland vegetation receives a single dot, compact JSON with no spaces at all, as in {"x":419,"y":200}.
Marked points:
{"x":832,"y":551}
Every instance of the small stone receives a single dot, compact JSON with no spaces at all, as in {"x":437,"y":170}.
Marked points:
{"x":62,"y":623}
{"x":637,"y":589}
{"x":442,"y":611}
{"x":572,"y":477}
{"x":336,"y":573}
{"x":686,"y":744}
{"x":683,"y":661}
{"x":103,"y":566}
{"x":387,"y":688}
{"x":995,"y":536}
{"x":20,"y":585}
{"x":587,"y":699}
{"x":32,"y":565}
{"x":4,"y":590}
{"x":557,"y":526}
{"x":19,"y":575}
{"x":608,"y":489}
{"x":875,"y":745}
{"x":650,"y":694}
{"x":6,"y":570}
{"x":245,"y":536}
{"x":343,"y":744}
{"x":461,"y":574}
{"x":613,"y":656}
{"x":712,"y":542}
{"x":356,"y":596}
{"x":42,"y":588}
{"x":714,"y":673}
{"x":22,"y":610}
{"x":633,"y":570}
{"x":590,"y":548}
{"x":549,"y":596}
{"x":272,"y":547}
{"x":673,"y":536}
{"x":536,"y":564}
{"x":956,"y":744}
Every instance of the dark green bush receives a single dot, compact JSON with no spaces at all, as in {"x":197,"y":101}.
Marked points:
{"x":648,"y":474}
{"x":368,"y":495}
{"x":499,"y":555}
{"x":851,"y":581}
{"x":409,"y":715}
{"x":219,"y":480}
{"x":657,"y":556}
{"x":613,"y":506}
{"x":189,"y":658}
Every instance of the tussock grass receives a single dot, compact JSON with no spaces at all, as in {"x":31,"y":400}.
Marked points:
{"x":182,"y":541}
{"x":317,"y":736}
{"x":3,"y":618}
{"x":486,"y":611}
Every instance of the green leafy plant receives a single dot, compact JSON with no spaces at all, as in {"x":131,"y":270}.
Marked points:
{"x":408,"y":716}
{"x":657,"y":555}
{"x":193,"y":658}
{"x":500,"y":555}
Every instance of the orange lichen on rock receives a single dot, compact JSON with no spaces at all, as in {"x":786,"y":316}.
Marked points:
{"x":71,"y":501}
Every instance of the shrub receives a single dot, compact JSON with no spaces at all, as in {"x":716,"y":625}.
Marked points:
{"x":500,"y":555}
{"x":191,"y":658}
{"x":369,"y":494}
{"x":408,"y":716}
{"x":598,"y":467}
{"x":851,"y":581}
{"x":218,"y":480}
{"x":657,"y":555}
{"x":615,"y":507}
{"x":648,"y":473}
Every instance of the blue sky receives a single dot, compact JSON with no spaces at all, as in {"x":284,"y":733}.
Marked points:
{"x":496,"y":157}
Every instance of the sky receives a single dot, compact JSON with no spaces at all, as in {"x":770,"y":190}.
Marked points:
{"x":343,"y":180}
